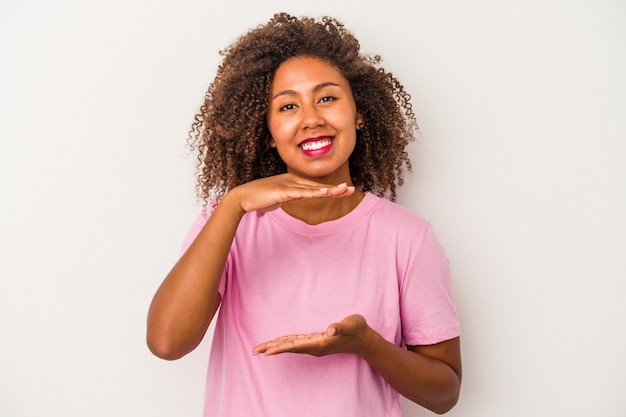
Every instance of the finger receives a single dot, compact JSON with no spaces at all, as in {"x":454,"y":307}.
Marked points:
{"x":296,"y":345}
{"x":293,"y":343}
{"x":332,"y":330}
{"x":284,"y":347}
{"x":341,"y":191}
{"x":272,"y":348}
{"x":267,"y":345}
{"x":347,"y":326}
{"x":262,"y":347}
{"x":302,"y":193}
{"x":333,"y":188}
{"x":286,"y":196}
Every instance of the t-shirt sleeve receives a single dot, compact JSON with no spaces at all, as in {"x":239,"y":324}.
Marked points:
{"x":194,"y":231}
{"x":427,"y":301}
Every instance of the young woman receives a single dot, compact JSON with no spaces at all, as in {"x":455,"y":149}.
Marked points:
{"x":333,"y":300}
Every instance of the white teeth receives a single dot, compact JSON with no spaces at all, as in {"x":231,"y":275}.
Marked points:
{"x":313,"y":146}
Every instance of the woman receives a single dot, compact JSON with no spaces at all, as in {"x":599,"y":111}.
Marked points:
{"x":333,"y":299}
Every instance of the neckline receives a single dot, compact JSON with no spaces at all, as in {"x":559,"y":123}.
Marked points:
{"x":326,"y":228}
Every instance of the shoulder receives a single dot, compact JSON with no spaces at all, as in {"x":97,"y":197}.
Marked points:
{"x":408,"y":230}
{"x":201,"y":218}
{"x":396,"y":215}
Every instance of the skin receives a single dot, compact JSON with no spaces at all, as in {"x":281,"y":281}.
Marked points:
{"x":309,"y":100}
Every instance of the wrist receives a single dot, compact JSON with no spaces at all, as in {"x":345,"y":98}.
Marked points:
{"x":371,"y":342}
{"x":232,"y":204}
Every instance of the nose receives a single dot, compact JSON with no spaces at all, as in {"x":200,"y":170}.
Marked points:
{"x":311,"y":117}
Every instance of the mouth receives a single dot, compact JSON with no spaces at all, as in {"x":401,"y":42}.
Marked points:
{"x":315,"y":144}
{"x":315,"y":147}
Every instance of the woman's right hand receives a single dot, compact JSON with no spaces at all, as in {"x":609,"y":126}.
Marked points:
{"x":188,"y":298}
{"x":267,"y":194}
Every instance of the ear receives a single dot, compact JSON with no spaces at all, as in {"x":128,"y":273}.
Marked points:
{"x":272,"y":143}
{"x":360,"y":123}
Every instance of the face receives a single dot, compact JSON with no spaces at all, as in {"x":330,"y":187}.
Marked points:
{"x":312,"y":117}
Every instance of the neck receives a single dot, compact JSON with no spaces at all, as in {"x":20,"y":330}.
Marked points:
{"x":320,"y":210}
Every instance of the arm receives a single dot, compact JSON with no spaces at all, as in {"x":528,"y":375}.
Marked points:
{"x":188,"y":298}
{"x":427,"y":375}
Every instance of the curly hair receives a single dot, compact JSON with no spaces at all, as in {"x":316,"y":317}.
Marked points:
{"x":230,"y":131}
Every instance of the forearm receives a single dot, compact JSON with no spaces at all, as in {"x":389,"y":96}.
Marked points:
{"x":426,"y":380}
{"x":188,"y":298}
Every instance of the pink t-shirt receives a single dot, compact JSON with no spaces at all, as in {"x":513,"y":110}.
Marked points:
{"x":283,"y":276}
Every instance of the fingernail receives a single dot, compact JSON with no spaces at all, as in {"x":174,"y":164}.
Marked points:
{"x":343,"y":184}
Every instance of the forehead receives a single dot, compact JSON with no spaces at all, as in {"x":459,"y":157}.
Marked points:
{"x":306,"y":71}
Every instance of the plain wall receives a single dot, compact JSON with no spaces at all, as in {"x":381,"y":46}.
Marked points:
{"x":520,"y":166}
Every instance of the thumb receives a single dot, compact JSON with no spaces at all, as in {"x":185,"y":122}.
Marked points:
{"x":346,"y":326}
{"x":333,"y":330}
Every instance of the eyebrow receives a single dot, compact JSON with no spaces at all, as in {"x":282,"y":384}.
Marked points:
{"x":315,"y":89}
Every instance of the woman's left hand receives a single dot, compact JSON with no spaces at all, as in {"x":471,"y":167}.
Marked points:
{"x":347,"y":336}
{"x":429,"y":375}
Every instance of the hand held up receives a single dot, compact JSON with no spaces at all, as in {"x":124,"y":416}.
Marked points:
{"x":267,"y":194}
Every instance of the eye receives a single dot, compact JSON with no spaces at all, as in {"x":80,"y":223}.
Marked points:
{"x":287,"y":107}
{"x":327,"y":99}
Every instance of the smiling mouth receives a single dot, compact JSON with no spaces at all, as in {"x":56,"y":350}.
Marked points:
{"x":315,"y":144}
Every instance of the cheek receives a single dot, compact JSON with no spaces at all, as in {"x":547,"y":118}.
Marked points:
{"x":280,"y":128}
{"x":273,"y":128}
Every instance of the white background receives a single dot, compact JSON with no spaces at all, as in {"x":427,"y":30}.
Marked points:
{"x":520,"y":165}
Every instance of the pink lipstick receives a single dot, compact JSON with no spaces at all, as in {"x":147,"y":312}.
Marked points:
{"x":316,"y":147}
